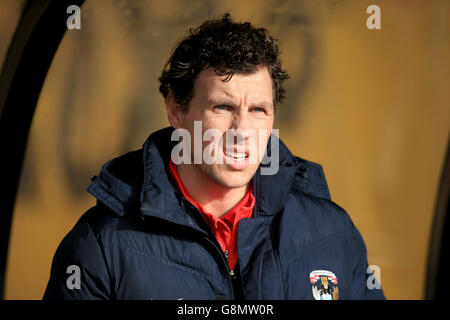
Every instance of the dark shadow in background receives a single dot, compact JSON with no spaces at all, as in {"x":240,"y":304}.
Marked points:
{"x":29,"y":56}
{"x":439,"y":251}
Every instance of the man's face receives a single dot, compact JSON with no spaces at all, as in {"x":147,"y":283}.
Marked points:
{"x":235,"y":106}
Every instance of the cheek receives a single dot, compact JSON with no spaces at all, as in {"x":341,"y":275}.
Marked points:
{"x":263,"y":138}
{"x":263,"y":122}
{"x":264,"y":129}
{"x":187,"y":122}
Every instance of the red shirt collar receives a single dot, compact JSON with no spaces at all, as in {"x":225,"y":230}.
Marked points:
{"x":225,"y":227}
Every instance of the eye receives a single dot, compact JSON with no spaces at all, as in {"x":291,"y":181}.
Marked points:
{"x":259,"y":109}
{"x":222,"y":107}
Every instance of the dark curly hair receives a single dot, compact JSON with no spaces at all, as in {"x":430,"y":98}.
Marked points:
{"x":228,"y":47}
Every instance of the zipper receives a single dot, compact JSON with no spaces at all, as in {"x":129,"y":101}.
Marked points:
{"x":213,"y":241}
{"x":231,"y":274}
{"x":256,"y":189}
{"x":209,"y":237}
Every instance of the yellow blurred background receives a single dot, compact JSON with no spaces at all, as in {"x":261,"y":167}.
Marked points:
{"x":371,"y":106}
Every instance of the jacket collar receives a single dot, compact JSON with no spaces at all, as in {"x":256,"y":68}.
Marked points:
{"x":141,"y":180}
{"x":160,"y":197}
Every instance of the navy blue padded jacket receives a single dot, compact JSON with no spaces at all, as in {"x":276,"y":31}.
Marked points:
{"x":143,"y":240}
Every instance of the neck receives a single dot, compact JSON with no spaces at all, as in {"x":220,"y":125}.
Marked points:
{"x":214,"y":197}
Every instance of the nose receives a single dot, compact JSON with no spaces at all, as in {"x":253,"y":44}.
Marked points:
{"x":242,"y":124}
{"x":240,"y":132}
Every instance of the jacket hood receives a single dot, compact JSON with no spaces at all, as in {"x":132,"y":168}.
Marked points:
{"x":140,"y":180}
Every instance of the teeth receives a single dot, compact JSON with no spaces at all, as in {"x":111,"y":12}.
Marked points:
{"x":236,"y":155}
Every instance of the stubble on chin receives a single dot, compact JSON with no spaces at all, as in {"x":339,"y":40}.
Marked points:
{"x":227,"y":179}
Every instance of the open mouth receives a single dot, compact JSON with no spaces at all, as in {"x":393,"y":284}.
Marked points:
{"x":236,"y":160}
{"x":236,"y":155}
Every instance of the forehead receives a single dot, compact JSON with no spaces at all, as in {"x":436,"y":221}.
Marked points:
{"x":249,"y":86}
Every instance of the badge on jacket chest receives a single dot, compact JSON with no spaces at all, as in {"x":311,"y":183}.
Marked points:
{"x":324,"y":285}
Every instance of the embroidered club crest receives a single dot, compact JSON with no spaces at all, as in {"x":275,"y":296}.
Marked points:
{"x":324,"y":285}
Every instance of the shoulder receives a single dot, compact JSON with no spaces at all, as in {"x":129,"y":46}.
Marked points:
{"x":309,"y":204}
{"x":84,"y":237}
{"x":319,"y":214}
{"x":104,"y":226}
{"x":86,"y":244}
{"x":80,"y":256}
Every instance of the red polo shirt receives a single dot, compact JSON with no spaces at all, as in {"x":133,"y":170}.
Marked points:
{"x":225,"y":227}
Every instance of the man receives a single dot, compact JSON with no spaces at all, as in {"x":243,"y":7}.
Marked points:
{"x":195,"y":214}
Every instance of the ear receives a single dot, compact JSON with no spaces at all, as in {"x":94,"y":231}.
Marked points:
{"x":174,"y":112}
